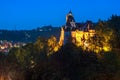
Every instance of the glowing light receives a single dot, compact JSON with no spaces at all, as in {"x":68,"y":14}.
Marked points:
{"x":106,"y":48}
{"x":86,"y":44}
{"x":61,"y":41}
{"x":56,"y":48}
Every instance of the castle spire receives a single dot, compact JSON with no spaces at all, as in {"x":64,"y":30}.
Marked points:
{"x":70,"y":12}
{"x":70,"y":21}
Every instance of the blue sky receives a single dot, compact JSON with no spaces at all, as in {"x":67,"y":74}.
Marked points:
{"x":29,"y":14}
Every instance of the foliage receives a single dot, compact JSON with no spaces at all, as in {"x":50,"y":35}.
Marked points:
{"x":103,"y":39}
{"x":68,"y":63}
{"x":46,"y":60}
{"x":114,"y":23}
{"x":29,"y":35}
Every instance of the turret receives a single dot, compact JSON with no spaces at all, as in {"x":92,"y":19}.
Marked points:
{"x":70,"y":22}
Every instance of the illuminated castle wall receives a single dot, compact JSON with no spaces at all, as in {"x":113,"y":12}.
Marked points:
{"x":75,"y":32}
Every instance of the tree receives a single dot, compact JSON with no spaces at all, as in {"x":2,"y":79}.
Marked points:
{"x":103,"y":37}
{"x":114,"y":23}
{"x":52,"y":45}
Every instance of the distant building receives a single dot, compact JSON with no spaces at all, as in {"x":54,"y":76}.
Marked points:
{"x":5,"y":46}
{"x":77,"y":33}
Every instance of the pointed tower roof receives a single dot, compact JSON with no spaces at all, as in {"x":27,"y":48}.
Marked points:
{"x":70,"y":12}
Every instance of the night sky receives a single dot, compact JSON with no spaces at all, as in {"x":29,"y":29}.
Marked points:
{"x":30,"y":14}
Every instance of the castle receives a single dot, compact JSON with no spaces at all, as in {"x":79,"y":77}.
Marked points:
{"x":77,"y":33}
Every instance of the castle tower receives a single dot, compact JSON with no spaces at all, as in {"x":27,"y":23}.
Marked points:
{"x":69,"y":28}
{"x":77,"y":33}
{"x":70,"y":22}
{"x":69,"y":18}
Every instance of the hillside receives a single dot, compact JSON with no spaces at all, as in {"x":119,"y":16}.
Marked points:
{"x":29,"y":35}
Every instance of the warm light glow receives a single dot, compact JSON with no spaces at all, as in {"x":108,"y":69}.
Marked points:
{"x":79,"y":35}
{"x":56,"y":48}
{"x":106,"y":48}
{"x":92,"y":33}
{"x":61,"y":41}
{"x":82,"y":39}
{"x":86,"y":44}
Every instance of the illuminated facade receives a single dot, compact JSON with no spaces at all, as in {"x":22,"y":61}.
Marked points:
{"x":75,"y":32}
